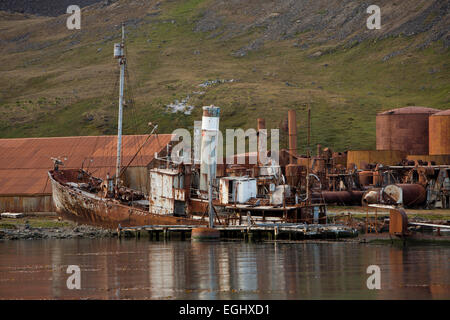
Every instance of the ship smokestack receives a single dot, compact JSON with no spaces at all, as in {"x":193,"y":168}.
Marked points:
{"x":210,"y":128}
{"x":292,"y":124}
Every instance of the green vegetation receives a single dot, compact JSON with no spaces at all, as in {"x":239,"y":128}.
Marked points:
{"x":345,"y":87}
{"x":10,"y":223}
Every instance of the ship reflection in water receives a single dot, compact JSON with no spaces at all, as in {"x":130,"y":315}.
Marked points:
{"x":130,"y":269}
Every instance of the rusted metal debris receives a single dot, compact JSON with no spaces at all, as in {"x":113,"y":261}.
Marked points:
{"x":295,"y":190}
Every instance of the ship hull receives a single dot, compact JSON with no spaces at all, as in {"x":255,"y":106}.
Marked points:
{"x":81,"y":206}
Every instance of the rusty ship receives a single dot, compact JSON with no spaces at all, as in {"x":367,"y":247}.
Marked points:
{"x":78,"y":195}
{"x":181,"y":193}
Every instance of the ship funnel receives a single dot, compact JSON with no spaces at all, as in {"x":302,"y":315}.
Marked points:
{"x":210,"y":128}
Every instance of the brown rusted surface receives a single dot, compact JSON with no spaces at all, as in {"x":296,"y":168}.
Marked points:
{"x":205,"y":233}
{"x":363,"y":157}
{"x":404,"y":129}
{"x":398,"y":222}
{"x":342,"y":197}
{"x":39,"y":203}
{"x":408,"y":195}
{"x":292,"y":123}
{"x":365,"y":178}
{"x":78,"y":205}
{"x":436,"y":159}
{"x":261,"y":123}
{"x":439,"y":133}
{"x":294,"y":173}
{"x":24,"y":162}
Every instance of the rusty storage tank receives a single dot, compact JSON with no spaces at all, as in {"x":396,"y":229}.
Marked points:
{"x":404,"y":129}
{"x":409,"y":195}
{"x":439,"y":133}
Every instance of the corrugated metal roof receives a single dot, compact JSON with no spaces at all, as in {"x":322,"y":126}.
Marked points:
{"x":410,"y":110}
{"x":442,"y":113}
{"x":24,"y":162}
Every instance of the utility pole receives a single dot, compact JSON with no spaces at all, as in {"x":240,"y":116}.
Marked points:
{"x":122,"y":62}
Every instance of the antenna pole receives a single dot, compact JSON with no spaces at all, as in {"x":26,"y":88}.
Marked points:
{"x":122,"y":63}
{"x":308,"y":151}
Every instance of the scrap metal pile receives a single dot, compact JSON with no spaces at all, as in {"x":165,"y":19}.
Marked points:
{"x":297,"y":188}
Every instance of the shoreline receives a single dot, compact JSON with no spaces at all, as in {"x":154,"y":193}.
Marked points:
{"x":48,"y":226}
{"x":36,"y":226}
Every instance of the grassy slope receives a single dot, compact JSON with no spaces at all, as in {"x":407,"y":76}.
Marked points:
{"x":344,"y":96}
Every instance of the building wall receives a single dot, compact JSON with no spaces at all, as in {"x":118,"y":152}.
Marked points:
{"x":41,"y":203}
{"x":386,"y":157}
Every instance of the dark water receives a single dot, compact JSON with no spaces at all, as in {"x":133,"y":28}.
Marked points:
{"x":141,"y":269}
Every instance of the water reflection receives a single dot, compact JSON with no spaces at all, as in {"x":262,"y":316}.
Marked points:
{"x":130,"y":269}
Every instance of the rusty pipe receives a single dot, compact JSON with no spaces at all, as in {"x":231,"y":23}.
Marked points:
{"x":261,"y":124}
{"x":292,"y":125}
{"x":342,"y":197}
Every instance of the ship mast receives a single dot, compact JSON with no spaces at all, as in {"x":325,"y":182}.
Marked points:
{"x":120,"y":55}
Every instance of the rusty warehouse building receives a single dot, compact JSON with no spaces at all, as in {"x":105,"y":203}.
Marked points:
{"x":24,"y":163}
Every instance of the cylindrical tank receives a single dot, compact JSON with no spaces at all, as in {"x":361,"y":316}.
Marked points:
{"x":404,"y":129}
{"x":408,"y":195}
{"x":439,"y":133}
{"x":210,"y":128}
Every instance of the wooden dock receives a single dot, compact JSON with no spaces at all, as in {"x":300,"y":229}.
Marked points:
{"x":256,"y":232}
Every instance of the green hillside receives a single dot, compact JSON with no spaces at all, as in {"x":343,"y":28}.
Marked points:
{"x":58,"y":82}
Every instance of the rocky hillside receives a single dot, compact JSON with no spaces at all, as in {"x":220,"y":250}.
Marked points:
{"x":253,"y":58}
